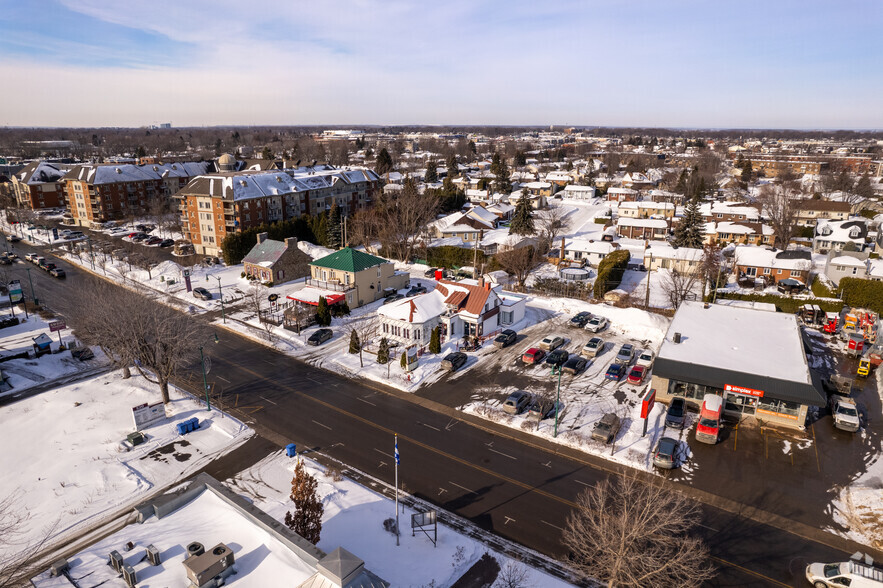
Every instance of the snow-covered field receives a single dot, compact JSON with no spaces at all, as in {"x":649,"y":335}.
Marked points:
{"x":354,"y":518}
{"x":71,"y":468}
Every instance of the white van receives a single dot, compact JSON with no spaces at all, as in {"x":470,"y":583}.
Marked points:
{"x":848,"y":573}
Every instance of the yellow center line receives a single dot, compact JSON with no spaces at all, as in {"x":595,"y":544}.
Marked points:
{"x":747,"y":571}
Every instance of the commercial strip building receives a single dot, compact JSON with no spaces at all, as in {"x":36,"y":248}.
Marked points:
{"x":755,"y":359}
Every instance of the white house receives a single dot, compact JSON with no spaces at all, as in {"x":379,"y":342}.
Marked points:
{"x":574,"y":192}
{"x":588,"y":250}
{"x":661,"y":255}
{"x":835,"y":235}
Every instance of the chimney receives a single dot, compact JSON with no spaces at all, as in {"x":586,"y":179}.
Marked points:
{"x":481,"y":281}
{"x":262,"y":237}
{"x":291,"y":243}
{"x":487,"y":286}
{"x":677,"y":338}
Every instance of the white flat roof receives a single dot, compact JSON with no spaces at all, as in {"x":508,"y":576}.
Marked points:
{"x":738,"y":339}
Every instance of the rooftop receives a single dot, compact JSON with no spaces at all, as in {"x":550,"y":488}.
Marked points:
{"x":349,"y":260}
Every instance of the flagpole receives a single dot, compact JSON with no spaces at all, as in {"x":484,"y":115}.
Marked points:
{"x":397,"y":488}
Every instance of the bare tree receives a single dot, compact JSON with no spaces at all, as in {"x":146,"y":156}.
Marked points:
{"x":552,"y":222}
{"x":678,"y":286}
{"x":513,"y":575}
{"x":365,"y":330}
{"x":301,"y":314}
{"x":781,"y":207}
{"x":627,"y":532}
{"x":402,"y":218}
{"x":255,"y":297}
{"x":518,"y":262}
{"x":16,"y":553}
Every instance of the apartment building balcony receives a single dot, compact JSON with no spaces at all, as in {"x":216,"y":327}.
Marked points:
{"x":334,"y":285}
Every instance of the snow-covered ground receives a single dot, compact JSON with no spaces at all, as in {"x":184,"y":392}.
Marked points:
{"x":354,"y":518}
{"x":71,"y":467}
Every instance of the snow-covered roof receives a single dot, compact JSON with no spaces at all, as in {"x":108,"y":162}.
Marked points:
{"x":260,"y":184}
{"x":538,"y":185}
{"x":664,"y":250}
{"x":842,"y":231}
{"x":621,"y":191}
{"x":415,"y":310}
{"x":576,"y":188}
{"x":482,"y":214}
{"x":589,"y":246}
{"x":98,"y":174}
{"x":751,"y":256}
{"x":654,"y":223}
{"x":847,"y":260}
{"x":713,"y":208}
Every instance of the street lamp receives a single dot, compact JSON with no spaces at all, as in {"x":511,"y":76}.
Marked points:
{"x":221,"y":295}
{"x":31,"y":281}
{"x":557,"y":401}
{"x":208,"y":402}
{"x":91,"y":257}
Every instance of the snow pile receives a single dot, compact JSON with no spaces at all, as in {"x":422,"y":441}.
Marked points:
{"x":314,"y":251}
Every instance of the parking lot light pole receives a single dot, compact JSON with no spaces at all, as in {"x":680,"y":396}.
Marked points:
{"x":557,"y":403}
{"x":221,"y":294}
{"x":92,"y":257}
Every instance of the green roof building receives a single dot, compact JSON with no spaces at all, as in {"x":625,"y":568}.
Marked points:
{"x":364,"y":278}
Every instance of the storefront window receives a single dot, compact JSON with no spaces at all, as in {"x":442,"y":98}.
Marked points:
{"x":691,"y":391}
{"x":740,"y":403}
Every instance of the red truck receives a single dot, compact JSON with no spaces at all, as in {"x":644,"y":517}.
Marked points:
{"x":709,"y":426}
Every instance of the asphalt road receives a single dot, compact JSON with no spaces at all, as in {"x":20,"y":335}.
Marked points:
{"x":517,"y":487}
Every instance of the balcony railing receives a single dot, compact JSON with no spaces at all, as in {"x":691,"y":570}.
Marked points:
{"x":335,"y":285}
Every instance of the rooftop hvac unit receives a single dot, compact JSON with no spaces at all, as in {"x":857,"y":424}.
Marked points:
{"x":215,"y":565}
{"x":195,"y":549}
{"x":115,"y":560}
{"x":153,"y":555}
{"x":677,"y":338}
{"x":58,"y":567}
{"x":129,"y":576}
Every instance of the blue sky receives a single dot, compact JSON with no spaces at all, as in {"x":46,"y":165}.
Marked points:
{"x":675,"y":63}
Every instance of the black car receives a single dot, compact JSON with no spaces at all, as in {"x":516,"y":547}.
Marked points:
{"x":167,"y":243}
{"x":416,"y":290}
{"x":13,"y":239}
{"x":393,"y":298}
{"x":453,"y":361}
{"x":505,"y":338}
{"x":581,"y":319}
{"x":676,"y":414}
{"x":320,"y":337}
{"x":557,"y":357}
{"x":574,"y":365}
{"x":430,"y":273}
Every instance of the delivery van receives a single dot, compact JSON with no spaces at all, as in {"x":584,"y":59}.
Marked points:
{"x":709,"y":425}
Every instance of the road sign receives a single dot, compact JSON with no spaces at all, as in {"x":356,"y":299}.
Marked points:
{"x":15,"y":294}
{"x":273,"y":297}
{"x":55,"y":326}
{"x":54,"y":233}
{"x":647,"y":403}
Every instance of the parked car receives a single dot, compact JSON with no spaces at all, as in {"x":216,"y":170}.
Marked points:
{"x":152,"y":241}
{"x":57,"y":272}
{"x":167,"y":243}
{"x":853,"y":573}
{"x":665,"y":456}
{"x":551,"y":343}
{"x":557,"y":357}
{"x":676,"y":415}
{"x":580,"y":319}
{"x":605,"y":429}
{"x":453,"y":361}
{"x":393,"y":298}
{"x":709,"y":426}
{"x":615,"y":372}
{"x":140,"y":238}
{"x":625,"y":354}
{"x":593,"y":348}
{"x":13,"y":238}
{"x":430,"y":273}
{"x":516,"y":402}
{"x":47,"y":266}
{"x":130,"y":236}
{"x":416,"y":290}
{"x":320,"y":337}
{"x":30,"y":257}
{"x":544,"y":410}
{"x":637,"y":375}
{"x":575,"y":365}
{"x":645,"y":358}
{"x":845,"y":414}
{"x":597,"y":324}
{"x":39,"y":261}
{"x":533,"y":355}
{"x":202,"y":293}
{"x":505,"y":338}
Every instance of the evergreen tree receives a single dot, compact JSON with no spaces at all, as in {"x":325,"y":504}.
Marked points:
{"x":746,"y":171}
{"x":690,"y":231}
{"x":501,"y":173}
{"x":335,"y":227}
{"x":681,"y":186}
{"x":384,"y":163}
{"x":404,"y":361}
{"x":383,"y":351}
{"x":323,"y":313}
{"x":355,"y":344}
{"x":453,"y":169}
{"x":319,"y":226}
{"x":520,"y":158}
{"x":844,"y":184}
{"x":472,"y":148}
{"x":522,"y":220}
{"x":140,"y":152}
{"x":431,"y":175}
{"x":863,"y":187}
{"x":435,"y":341}
{"x":306,"y":518}
{"x":267,"y":153}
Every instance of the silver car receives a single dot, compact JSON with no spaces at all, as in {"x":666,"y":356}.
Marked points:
{"x":517,"y":402}
{"x":593,"y":348}
{"x":597,"y":324}
{"x":551,"y":343}
{"x":625,"y":355}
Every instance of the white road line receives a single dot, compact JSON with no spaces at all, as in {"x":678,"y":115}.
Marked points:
{"x":264,"y":359}
{"x":318,"y":423}
{"x":431,"y":427}
{"x":314,"y":380}
{"x":707,"y":527}
{"x":503,"y":454}
{"x":508,"y":520}
{"x":382,"y":452}
{"x":551,"y":525}
{"x":268,"y":400}
{"x":441,"y":491}
{"x":365,"y":401}
{"x":583,"y":483}
{"x":225,"y":379}
{"x":548,"y":464}
{"x":463,"y":488}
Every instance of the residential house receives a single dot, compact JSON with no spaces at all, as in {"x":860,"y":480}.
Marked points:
{"x":468,"y":225}
{"x":662,"y":255}
{"x":622,"y":195}
{"x":771,"y":264}
{"x":743,"y":233}
{"x":812,"y":211}
{"x":561,"y":179}
{"x":588,"y":251}
{"x":502,"y":210}
{"x":351,"y":275}
{"x":728,"y":212}
{"x":478,"y":195}
{"x":39,"y":185}
{"x":543,"y":189}
{"x":664,"y":196}
{"x":642,"y":228}
{"x":846,"y":264}
{"x":575,"y":192}
{"x":637,"y":180}
{"x":647,"y":209}
{"x":835,"y":235}
{"x":276,"y":261}
{"x":499,"y":240}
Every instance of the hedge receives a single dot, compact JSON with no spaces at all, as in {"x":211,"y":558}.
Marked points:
{"x":610,"y":272}
{"x":783,"y":303}
{"x":235,"y":246}
{"x":862,"y":293}
{"x":449,"y":257}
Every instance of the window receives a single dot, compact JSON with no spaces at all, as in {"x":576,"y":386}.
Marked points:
{"x":779,"y":272}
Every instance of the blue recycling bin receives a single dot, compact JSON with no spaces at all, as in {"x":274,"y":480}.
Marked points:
{"x":291,"y":450}
{"x":182,"y":429}
{"x":194,"y":422}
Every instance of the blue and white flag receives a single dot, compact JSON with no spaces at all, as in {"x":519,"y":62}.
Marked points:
{"x":397,"y":450}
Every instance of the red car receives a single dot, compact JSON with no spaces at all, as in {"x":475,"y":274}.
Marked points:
{"x":533,"y":355}
{"x":637,"y":375}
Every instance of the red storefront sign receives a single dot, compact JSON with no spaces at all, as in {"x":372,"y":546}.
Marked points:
{"x":743,"y":390}
{"x":647,"y":403}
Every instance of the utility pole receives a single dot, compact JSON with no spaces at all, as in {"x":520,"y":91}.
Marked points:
{"x":221,"y":295}
{"x":557,"y":402}
{"x":34,"y":296}
{"x":208,"y":402}
{"x":647,"y":295}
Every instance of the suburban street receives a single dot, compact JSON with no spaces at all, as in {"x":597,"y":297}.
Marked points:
{"x":517,"y":486}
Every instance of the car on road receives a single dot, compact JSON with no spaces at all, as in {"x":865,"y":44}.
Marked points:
{"x":393,"y":297}
{"x":625,"y":354}
{"x":30,"y":257}
{"x":845,"y":414}
{"x":597,"y":324}
{"x":551,"y":343}
{"x":416,"y":290}
{"x":167,"y":243}
{"x":665,"y":456}
{"x":57,"y":272}
{"x":676,"y":414}
{"x":505,"y":338}
{"x":39,"y":261}
{"x":615,"y":372}
{"x":557,"y":357}
{"x":645,"y":358}
{"x":637,"y":375}
{"x":202,"y":293}
{"x":516,"y":402}
{"x":593,"y":348}
{"x":605,"y":429}
{"x":47,"y":266}
{"x":854,"y":573}
{"x":544,"y":410}
{"x":320,"y":337}
{"x":13,"y":238}
{"x":453,"y":361}
{"x":575,"y":365}
{"x":533,"y":355}
{"x":580,"y":319}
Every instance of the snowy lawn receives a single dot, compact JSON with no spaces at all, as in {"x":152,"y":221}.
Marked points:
{"x":71,"y":466}
{"x":354,"y":518}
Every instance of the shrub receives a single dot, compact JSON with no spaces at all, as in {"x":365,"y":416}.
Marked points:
{"x":862,"y":293}
{"x":610,"y":272}
{"x":435,"y":341}
{"x":383,"y":351}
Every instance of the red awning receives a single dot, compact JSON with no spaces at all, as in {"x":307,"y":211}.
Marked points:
{"x":312,"y":295}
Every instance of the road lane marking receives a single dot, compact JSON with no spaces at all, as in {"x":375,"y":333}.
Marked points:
{"x":321,"y":425}
{"x":707,"y":527}
{"x":508,"y":520}
{"x":501,"y":453}
{"x":463,"y":488}
{"x":430,"y":426}
{"x":441,"y":491}
{"x":548,"y":464}
{"x":583,"y":483}
{"x":749,"y":572}
{"x":383,"y":453}
{"x":265,"y":360}
{"x":225,"y":379}
{"x":451,"y":424}
{"x":365,"y":401}
{"x":551,"y":525}
{"x":268,"y":400}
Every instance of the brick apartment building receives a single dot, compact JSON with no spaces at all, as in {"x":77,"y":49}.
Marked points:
{"x":103,"y":192}
{"x":214,"y":205}
{"x":774,"y":165}
{"x":39,"y":185}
